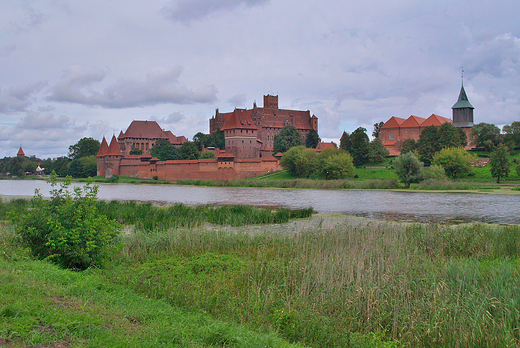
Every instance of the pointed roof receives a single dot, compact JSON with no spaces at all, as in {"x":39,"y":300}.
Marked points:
{"x":393,"y":122}
{"x":113,"y":148}
{"x":20,"y":152}
{"x":463,"y":101}
{"x":413,"y":122}
{"x":435,"y":120}
{"x":103,"y":149}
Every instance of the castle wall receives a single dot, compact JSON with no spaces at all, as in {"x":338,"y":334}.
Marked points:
{"x":205,"y":169}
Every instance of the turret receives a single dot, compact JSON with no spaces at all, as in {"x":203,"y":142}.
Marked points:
{"x":462,"y":111}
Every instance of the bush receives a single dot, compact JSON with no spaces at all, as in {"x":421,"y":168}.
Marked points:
{"x":456,"y":161}
{"x":67,"y":229}
{"x":408,"y":168}
{"x":435,"y":172}
{"x":114,"y":178}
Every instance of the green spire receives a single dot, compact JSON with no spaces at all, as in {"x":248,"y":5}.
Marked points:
{"x":463,"y":101}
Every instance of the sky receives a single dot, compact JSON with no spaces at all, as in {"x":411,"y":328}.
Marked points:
{"x":74,"y":69}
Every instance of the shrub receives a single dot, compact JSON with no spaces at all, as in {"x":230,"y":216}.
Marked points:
{"x":408,"y":168}
{"x":456,"y":161}
{"x":435,"y":172}
{"x":114,"y":178}
{"x":67,"y":229}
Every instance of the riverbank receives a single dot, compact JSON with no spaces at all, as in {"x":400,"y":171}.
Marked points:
{"x":323,"y":281}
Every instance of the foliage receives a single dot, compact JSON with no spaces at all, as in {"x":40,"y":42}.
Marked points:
{"x":449,"y":136}
{"x":336,"y":164}
{"x":189,"y":151}
{"x":300,"y":161}
{"x":517,"y":167}
{"x":345,"y":142}
{"x":164,"y":150}
{"x":409,"y":145}
{"x":68,"y":229}
{"x":19,"y":165}
{"x":377,"y":152}
{"x":83,"y":167}
{"x":512,"y":135}
{"x":408,"y":168}
{"x":428,"y":144}
{"x":84,"y":147}
{"x":456,"y":161}
{"x":436,"y":172}
{"x":207,"y":155}
{"x":359,"y":147}
{"x":215,"y":139}
{"x":485,"y":136}
{"x":313,"y":139}
{"x":377,"y":129}
{"x":288,"y":137}
{"x":499,"y":162}
{"x":136,"y":151}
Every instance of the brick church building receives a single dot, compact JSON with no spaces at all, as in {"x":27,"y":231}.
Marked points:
{"x":249,"y":133}
{"x":396,"y":129}
{"x":143,"y":135}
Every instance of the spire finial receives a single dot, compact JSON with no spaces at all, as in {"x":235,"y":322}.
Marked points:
{"x":462,"y":76}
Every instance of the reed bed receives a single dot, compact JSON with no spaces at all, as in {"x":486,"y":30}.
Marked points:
{"x":415,"y":285}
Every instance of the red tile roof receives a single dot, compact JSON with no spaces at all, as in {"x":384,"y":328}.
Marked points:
{"x":150,"y":130}
{"x":412,"y":122}
{"x":20,"y":152}
{"x":113,"y":148}
{"x":238,"y":119}
{"x":393,"y":122}
{"x":435,"y":120}
{"x":103,"y":149}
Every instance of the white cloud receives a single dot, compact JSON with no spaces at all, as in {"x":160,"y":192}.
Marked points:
{"x":161,"y":85}
{"x":18,"y":98}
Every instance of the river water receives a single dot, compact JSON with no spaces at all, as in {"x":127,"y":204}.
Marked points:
{"x":387,"y":205}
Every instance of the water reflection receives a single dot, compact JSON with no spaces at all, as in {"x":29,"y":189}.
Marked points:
{"x":388,"y":205}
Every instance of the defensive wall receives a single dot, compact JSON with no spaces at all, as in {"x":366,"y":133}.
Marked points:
{"x":146,"y":167}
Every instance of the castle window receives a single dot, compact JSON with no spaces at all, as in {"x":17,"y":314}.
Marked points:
{"x":391,"y":136}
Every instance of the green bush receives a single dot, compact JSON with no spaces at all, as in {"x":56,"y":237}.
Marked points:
{"x":67,"y":229}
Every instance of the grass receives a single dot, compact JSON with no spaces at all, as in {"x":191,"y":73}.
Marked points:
{"x":370,"y":284}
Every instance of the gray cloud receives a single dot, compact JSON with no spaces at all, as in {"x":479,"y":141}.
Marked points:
{"x":33,"y":18}
{"x":160,"y":86}
{"x":188,"y":10}
{"x":7,"y":50}
{"x":238,"y":100}
{"x":18,"y":98}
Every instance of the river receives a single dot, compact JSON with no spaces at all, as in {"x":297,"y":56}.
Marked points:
{"x":380,"y":204}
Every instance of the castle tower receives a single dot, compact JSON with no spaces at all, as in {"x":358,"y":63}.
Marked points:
{"x":462,"y":111}
{"x":271,"y":102}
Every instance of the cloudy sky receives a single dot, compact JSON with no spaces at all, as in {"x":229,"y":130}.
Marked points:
{"x":73,"y":69}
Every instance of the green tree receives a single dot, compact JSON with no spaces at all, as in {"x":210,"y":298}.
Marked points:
{"x":377,"y":152}
{"x":207,"y":155}
{"x":136,"y":151}
{"x":61,"y":166}
{"x":200,"y":139}
{"x":485,"y":136}
{"x":512,"y":135}
{"x":449,"y":136}
{"x":300,"y":161}
{"x":83,"y":167}
{"x":456,"y":161}
{"x":463,"y":137}
{"x":408,"y":168}
{"x":164,"y":150}
{"x":313,"y":139}
{"x":377,"y":129}
{"x":499,"y":162}
{"x":336,"y":164}
{"x":288,"y":137}
{"x":409,"y":145}
{"x":359,"y":147}
{"x":428,"y":144}
{"x":84,"y":147}
{"x":189,"y":151}
{"x":68,"y":229}
{"x":345,"y":143}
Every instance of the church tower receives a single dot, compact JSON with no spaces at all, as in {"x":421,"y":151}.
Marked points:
{"x":463,"y":111}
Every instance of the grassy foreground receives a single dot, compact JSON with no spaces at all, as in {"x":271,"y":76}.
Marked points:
{"x":350,"y":283}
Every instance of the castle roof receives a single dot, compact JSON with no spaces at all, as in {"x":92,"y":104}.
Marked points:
{"x":239,"y":118}
{"x":149,"y":130}
{"x":113,"y":148}
{"x":103,"y":149}
{"x":279,"y":118}
{"x":20,"y":152}
{"x":463,"y":101}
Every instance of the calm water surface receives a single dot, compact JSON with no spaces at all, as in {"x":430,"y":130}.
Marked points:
{"x":402,"y":206}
